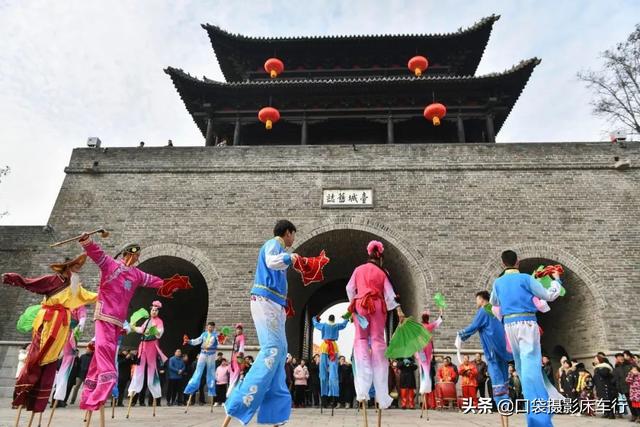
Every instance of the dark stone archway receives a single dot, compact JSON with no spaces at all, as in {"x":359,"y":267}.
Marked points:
{"x":185,"y":313}
{"x":347,"y":250}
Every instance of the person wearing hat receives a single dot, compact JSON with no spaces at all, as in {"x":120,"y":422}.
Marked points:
{"x":371,"y":295}
{"x":119,"y":279}
{"x":425,"y":357}
{"x":62,"y":292}
{"x":148,"y":352}
{"x":329,"y":380}
{"x":237,"y":358}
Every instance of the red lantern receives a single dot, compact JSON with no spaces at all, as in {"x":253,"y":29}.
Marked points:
{"x":434,"y":112}
{"x":418,"y":64}
{"x":273,"y":66}
{"x":268,"y":116}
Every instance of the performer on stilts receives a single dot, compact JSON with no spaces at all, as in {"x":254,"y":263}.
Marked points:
{"x":237,"y":358}
{"x":119,"y":279}
{"x":424,"y":358}
{"x":329,"y":354}
{"x":208,"y":341}
{"x":149,"y":352}
{"x":513,"y":292}
{"x":494,"y":345}
{"x":62,"y":293}
{"x":69,"y":354}
{"x":371,"y":295}
{"x":264,"y":389}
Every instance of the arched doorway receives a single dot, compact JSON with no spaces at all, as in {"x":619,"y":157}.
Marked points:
{"x":570,"y":328}
{"x":347,"y":250}
{"x":185,"y":313}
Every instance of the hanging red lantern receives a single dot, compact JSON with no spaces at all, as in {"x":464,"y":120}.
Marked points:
{"x":434,"y":112}
{"x":273,"y":66}
{"x":268,"y":116}
{"x":418,"y":64}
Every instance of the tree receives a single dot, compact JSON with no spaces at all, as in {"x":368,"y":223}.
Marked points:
{"x":3,"y":172}
{"x":617,"y":84}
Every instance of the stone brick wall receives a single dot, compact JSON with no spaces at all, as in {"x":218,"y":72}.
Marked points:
{"x":449,"y":209}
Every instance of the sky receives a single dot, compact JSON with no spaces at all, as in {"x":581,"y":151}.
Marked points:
{"x":79,"y":68}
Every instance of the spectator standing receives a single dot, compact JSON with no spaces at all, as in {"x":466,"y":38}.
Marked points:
{"x":604,"y":384}
{"x":300,"y":375}
{"x":481,"y":378}
{"x":176,"y":368}
{"x":223,"y":374}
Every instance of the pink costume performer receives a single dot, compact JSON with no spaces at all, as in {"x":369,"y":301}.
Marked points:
{"x":119,"y":280}
{"x":149,"y":352}
{"x":236,"y":352}
{"x":371,"y":295}
{"x":425,"y":355}
{"x":69,"y":352}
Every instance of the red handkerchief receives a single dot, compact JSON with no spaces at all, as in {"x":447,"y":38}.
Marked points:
{"x":310,"y":268}
{"x":172,"y":284}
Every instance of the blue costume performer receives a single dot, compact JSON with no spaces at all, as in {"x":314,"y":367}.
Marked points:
{"x":264,"y":388}
{"x":494,"y":345}
{"x":513,"y":292}
{"x":329,"y":381}
{"x":207,"y":357}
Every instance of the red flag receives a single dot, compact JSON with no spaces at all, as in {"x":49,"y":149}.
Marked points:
{"x":311,"y":268}
{"x":173,"y":284}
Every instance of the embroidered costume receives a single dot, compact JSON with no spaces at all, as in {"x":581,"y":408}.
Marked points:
{"x":50,"y":330}
{"x":513,"y":293}
{"x":208,"y":342}
{"x":425,"y":356}
{"x":118,"y":283}
{"x":149,"y":352}
{"x":69,"y":352}
{"x":264,"y":388}
{"x":329,"y":381}
{"x":237,"y":359}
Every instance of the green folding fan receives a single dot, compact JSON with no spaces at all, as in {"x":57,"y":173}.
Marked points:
{"x":407,"y":339}
{"x":25,"y":322}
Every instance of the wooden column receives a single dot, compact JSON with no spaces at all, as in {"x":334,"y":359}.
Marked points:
{"x":236,"y":132}
{"x":461,"y":135}
{"x":210,"y":139}
{"x":491,"y":134}
{"x":303,"y":131}
{"x":390,"y":136}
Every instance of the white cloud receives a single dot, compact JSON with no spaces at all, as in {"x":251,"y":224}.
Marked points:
{"x":73,"y":69}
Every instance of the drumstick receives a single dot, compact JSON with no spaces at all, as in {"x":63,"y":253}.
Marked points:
{"x":103,"y":233}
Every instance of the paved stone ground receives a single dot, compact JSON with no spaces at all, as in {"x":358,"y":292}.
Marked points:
{"x":201,"y":416}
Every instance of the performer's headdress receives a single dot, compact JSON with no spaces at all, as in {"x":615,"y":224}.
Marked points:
{"x":425,"y":315}
{"x":375,"y":248}
{"x":131,"y":248}
{"x":239,"y":325}
{"x":156,"y":304}
{"x":68,"y":263}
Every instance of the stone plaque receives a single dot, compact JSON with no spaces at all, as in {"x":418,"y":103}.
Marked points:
{"x":347,"y":197}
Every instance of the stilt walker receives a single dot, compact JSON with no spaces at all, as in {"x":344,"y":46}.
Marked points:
{"x":494,"y":345}
{"x":208,"y":341}
{"x":329,"y":354}
{"x":371,"y":295}
{"x":119,"y":280}
{"x":62,"y":292}
{"x":513,"y":292}
{"x":237,"y":358}
{"x":148,"y":352}
{"x":424,"y":358}
{"x":264,"y":389}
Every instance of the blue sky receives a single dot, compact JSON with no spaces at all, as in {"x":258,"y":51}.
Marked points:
{"x":80,"y":68}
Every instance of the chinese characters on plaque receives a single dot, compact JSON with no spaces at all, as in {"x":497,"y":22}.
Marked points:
{"x":347,"y":198}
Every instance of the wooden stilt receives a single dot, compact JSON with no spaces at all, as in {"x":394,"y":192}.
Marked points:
{"x":333,"y":405}
{"x":40,"y":419}
{"x":212,"y":399}
{"x":33,"y":414}
{"x":88,"y":418}
{"x":18,"y":415}
{"x":130,"y":401}
{"x":226,"y":421}
{"x":188,"y":403}
{"x":154,"y":406}
{"x":53,"y":409}
{"x":86,"y":414}
{"x":364,"y":411}
{"x":113,"y":408}
{"x":321,"y":403}
{"x":102,"y":416}
{"x":379,"y":415}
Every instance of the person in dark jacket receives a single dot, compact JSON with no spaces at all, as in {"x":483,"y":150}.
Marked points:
{"x":394,"y":383}
{"x":345,"y":377}
{"x":314,"y":381}
{"x":605,"y":384}
{"x":125,"y":360}
{"x":407,"y":383}
{"x":569,"y":380}
{"x":186,"y":375}
{"x":175,"y":367}
{"x":482,"y":376}
{"x":620,"y":372}
{"x":547,"y":369}
{"x":85,"y":361}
